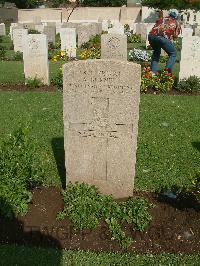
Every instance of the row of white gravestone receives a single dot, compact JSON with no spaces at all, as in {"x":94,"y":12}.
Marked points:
{"x":2,"y":29}
{"x":35,"y":56}
{"x":190,"y":57}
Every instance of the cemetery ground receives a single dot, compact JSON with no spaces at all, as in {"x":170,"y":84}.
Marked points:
{"x":168,"y":156}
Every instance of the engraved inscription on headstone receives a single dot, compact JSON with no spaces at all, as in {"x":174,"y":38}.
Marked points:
{"x":114,"y":46}
{"x":101,"y":112}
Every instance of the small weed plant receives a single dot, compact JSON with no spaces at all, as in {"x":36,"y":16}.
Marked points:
{"x":33,"y":83}
{"x":2,"y":52}
{"x":190,"y":85}
{"x":134,"y":38}
{"x":33,"y":31}
{"x":20,"y":170}
{"x":85,"y":207}
{"x":95,"y":41}
{"x":58,"y":80}
{"x":194,"y":187}
{"x":18,"y":56}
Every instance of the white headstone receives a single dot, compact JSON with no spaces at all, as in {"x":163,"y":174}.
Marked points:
{"x":105,"y":25}
{"x":2,"y":29}
{"x":14,"y":26}
{"x":36,"y":57}
{"x":50,"y":31}
{"x":101,"y":112}
{"x":187,"y":32}
{"x":18,"y":36}
{"x":190,"y":57}
{"x":68,"y":41}
{"x":114,"y":46}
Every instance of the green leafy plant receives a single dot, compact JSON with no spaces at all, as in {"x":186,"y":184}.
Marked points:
{"x":134,"y":38}
{"x":194,"y":188}
{"x":58,"y":80}
{"x":85,"y":206}
{"x":18,"y":56}
{"x":94,"y":42}
{"x":33,"y":31}
{"x":192,"y":84}
{"x":33,"y":82}
{"x":20,"y":170}
{"x":2,"y":52}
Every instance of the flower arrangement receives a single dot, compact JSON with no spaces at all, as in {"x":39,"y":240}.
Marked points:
{"x":60,"y":56}
{"x":162,"y":81}
{"x":139,"y":55}
{"x":90,"y":53}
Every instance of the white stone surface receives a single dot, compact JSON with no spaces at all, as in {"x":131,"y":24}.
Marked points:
{"x":36,"y":57}
{"x":50,"y":31}
{"x":18,"y":35}
{"x":39,"y":28}
{"x":2,"y":29}
{"x":117,"y":28}
{"x":114,"y":46}
{"x":190,"y":57}
{"x":68,"y":41}
{"x":187,"y":32}
{"x":101,"y":113}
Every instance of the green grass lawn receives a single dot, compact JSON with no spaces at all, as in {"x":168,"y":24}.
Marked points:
{"x":21,"y":256}
{"x":168,"y":131}
{"x":12,"y":72}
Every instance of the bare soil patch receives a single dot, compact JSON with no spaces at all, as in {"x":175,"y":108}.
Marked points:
{"x":174,"y":228}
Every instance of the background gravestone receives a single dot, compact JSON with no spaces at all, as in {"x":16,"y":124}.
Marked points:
{"x":18,"y":35}
{"x":86,"y":31}
{"x":50,"y":31}
{"x":36,"y":57}
{"x":190,"y":53}
{"x":68,"y":41}
{"x":101,"y":112}
{"x":114,"y":46}
{"x":2,"y":29}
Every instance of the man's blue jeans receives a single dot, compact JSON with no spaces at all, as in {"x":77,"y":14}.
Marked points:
{"x":158,"y":42}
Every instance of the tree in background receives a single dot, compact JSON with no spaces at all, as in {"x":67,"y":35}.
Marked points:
{"x":167,"y":4}
{"x":103,"y":2}
{"x":23,"y":3}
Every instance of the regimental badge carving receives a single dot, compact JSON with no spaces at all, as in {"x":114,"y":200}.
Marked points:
{"x":34,"y":44}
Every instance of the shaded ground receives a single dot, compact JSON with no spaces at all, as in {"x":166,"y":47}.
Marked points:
{"x":23,"y":87}
{"x":174,"y":229}
{"x":51,"y":88}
